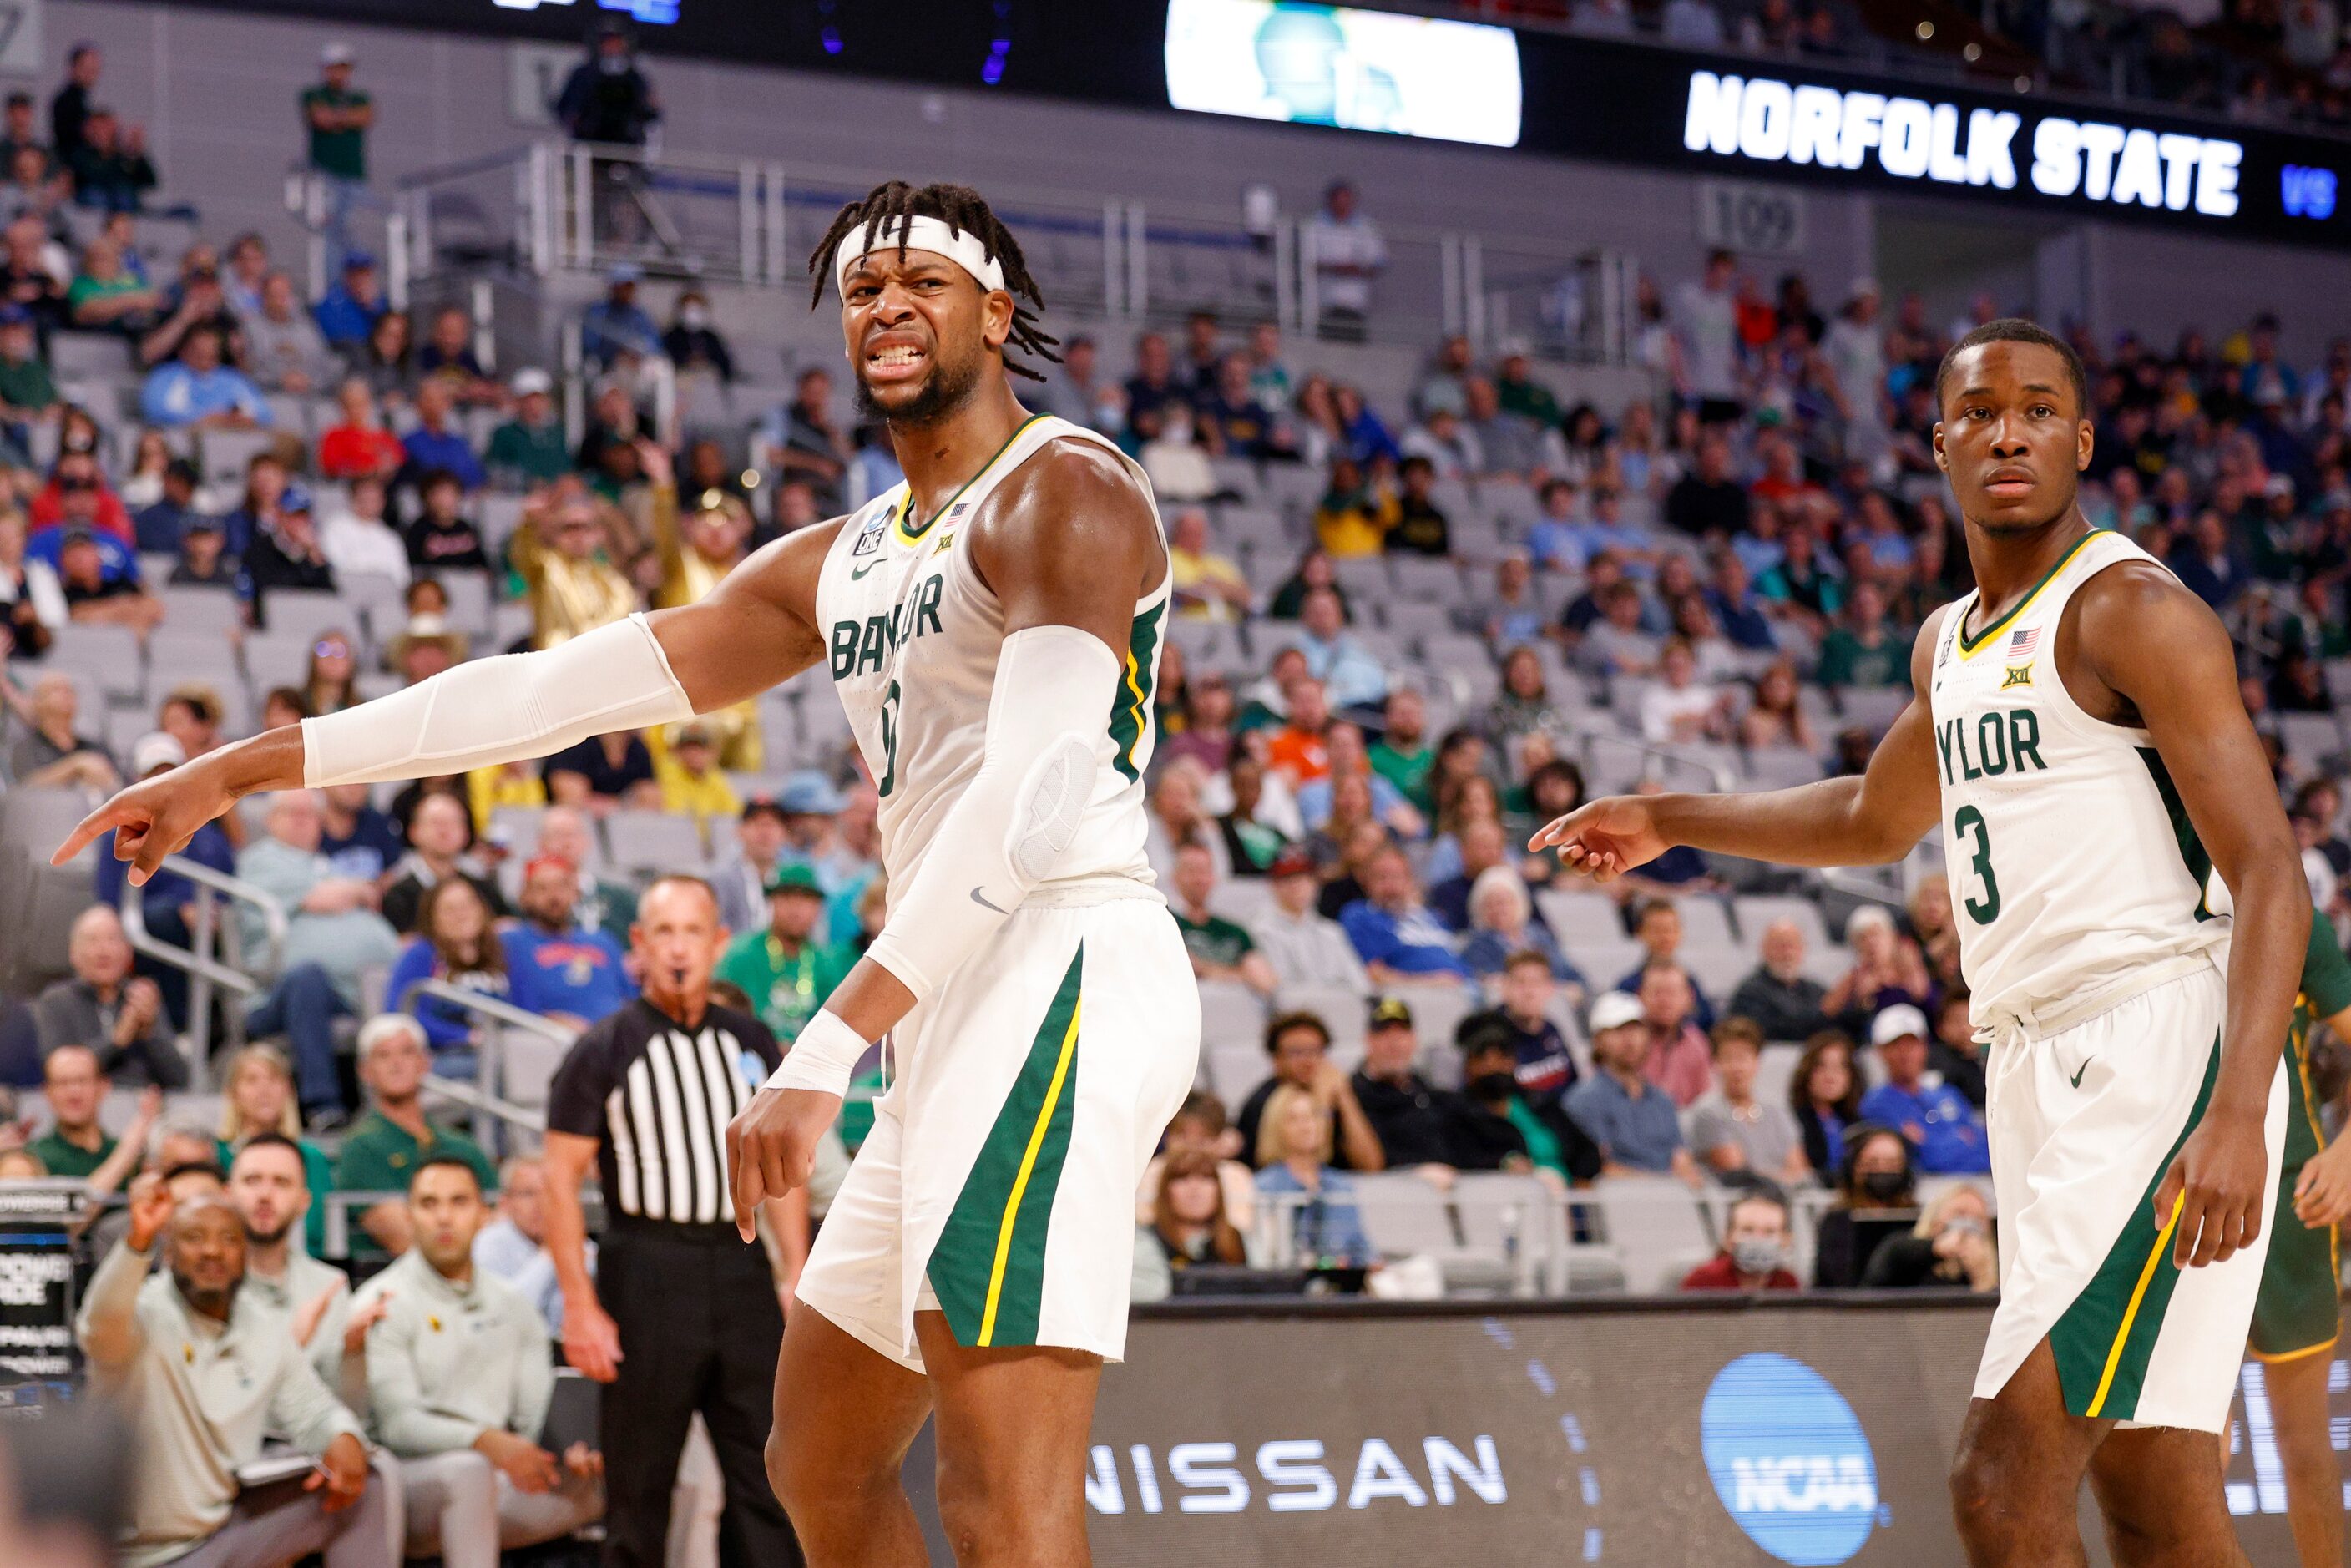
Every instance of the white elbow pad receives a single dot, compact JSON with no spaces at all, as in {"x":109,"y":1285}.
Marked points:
{"x":1010,"y":827}
{"x":504,"y":709}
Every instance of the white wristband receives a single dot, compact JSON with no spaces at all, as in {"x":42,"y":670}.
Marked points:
{"x":823,"y":1058}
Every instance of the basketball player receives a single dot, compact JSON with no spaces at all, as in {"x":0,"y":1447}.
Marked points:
{"x":2298,"y":1315}
{"x":2077,"y":734}
{"x":993,"y":626}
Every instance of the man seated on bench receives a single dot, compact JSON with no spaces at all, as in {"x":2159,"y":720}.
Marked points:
{"x":460,"y":1374}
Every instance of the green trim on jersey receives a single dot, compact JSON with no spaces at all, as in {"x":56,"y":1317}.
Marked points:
{"x":914,"y":535}
{"x":1138,"y":684}
{"x":2191,"y":847}
{"x":988,"y":1271}
{"x":1971,"y":645}
{"x":2105,"y":1340}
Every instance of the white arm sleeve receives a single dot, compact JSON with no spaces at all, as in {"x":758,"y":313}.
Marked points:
{"x":1054,"y":689}
{"x":504,"y":709}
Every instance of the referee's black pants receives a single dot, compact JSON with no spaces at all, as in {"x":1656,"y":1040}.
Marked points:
{"x":700,"y":1327}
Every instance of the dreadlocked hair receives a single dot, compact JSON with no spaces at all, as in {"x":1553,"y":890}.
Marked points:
{"x":961,"y":208}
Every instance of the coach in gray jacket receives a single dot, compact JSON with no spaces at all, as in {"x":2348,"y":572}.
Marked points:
{"x":460,"y":1373}
{"x":205,"y":1370}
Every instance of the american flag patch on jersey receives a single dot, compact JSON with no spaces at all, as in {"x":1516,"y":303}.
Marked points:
{"x":958,"y":510}
{"x":2022,"y":643}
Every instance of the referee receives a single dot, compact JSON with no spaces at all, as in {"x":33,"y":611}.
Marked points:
{"x":681,"y":1316}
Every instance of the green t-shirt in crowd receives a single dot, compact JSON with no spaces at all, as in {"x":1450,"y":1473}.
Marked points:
{"x":1542,"y":1145}
{"x":27,"y":385}
{"x":60,"y":1158}
{"x":535,"y":452}
{"x":785,"y":989}
{"x":342,"y":153}
{"x":378,"y":1156}
{"x":1216,"y":941}
{"x":1407,"y":771}
{"x":1845,"y":663}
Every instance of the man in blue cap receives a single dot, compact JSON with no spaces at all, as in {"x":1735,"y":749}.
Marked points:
{"x":347,"y":313}
{"x":286,"y":555}
{"x":616,"y":324}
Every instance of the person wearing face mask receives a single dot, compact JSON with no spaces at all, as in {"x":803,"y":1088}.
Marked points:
{"x":1754,"y":1253}
{"x":1177,"y":463}
{"x":1877,"y":1199}
{"x":692,"y":344}
{"x":1491,"y":1125}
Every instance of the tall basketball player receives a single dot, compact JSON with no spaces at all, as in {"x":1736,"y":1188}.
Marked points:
{"x":993,"y":627}
{"x":2077,"y":734}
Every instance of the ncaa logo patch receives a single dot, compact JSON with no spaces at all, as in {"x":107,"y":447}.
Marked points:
{"x":1789,"y":1460}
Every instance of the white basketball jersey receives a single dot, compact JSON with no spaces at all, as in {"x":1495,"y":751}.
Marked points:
{"x":912,"y":636}
{"x":2074,"y":868}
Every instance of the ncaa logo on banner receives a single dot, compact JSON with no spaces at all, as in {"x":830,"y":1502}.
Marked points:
{"x":1789,"y":1460}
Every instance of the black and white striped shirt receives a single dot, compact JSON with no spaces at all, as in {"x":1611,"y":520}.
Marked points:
{"x":657,"y":1097}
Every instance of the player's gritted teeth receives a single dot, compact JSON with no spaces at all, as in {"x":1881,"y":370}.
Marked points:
{"x":894,"y":356}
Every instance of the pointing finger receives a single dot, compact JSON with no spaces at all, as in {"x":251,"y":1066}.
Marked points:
{"x":113,"y":814}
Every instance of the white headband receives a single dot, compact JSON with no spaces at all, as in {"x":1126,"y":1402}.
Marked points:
{"x":917,"y":234}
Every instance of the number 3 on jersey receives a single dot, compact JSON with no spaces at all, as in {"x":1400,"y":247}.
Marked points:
{"x":1966,"y":821}
{"x":890,"y":704}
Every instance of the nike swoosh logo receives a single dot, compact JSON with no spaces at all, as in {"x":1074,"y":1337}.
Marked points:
{"x":985,"y":903}
{"x":2081,"y":1069}
{"x":858,"y":571}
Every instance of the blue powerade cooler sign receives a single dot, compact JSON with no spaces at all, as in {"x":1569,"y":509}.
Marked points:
{"x":1789,"y":1460}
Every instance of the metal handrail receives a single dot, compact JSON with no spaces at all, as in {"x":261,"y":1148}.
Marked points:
{"x":484,"y":1096}
{"x":494,"y":1008}
{"x":205,"y":970}
{"x":1665,"y":756}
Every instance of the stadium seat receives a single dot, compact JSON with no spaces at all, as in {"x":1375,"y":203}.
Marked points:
{"x":652,"y":841}
{"x":1428,"y":580}
{"x":1756,"y":911}
{"x":1873,"y":708}
{"x":1403,"y":1216}
{"x":1580,"y":918}
{"x":1706,"y":920}
{"x":1505,"y":1219}
{"x":88,"y":356}
{"x":1231,"y":1011}
{"x":1233,"y":1070}
{"x":1774,"y":1070}
{"x":1342,"y":1012}
{"x":1243,"y":900}
{"x":1653,"y":1222}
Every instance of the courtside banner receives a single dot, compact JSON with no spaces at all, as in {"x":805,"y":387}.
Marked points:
{"x":1804,"y":1434}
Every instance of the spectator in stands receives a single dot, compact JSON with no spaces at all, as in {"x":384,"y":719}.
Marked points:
{"x":513,"y":1245}
{"x":741,"y":879}
{"x":691,"y":783}
{"x":1300,"y":1046}
{"x":31,"y":604}
{"x":49,"y":755}
{"x":1546,"y":1068}
{"x":555,"y":967}
{"x":282,"y":706}
{"x":1208,"y":584}
{"x":1658,"y":927}
{"x":353,"y":305}
{"x":387,"y":1144}
{"x":104,"y":1008}
{"x":1497,"y":1125}
{"x":385,"y":359}
{"x":74,"y":1082}
{"x":161,"y":524}
{"x":1408,"y":1113}
{"x":1351,"y":675}
{"x":530,"y":448}
{"x":29,"y":396}
{"x":1887,"y":971}
{"x":110,"y":169}
{"x":203,"y":559}
{"x":604,"y":772}
{"x":609,"y":907}
{"x":195,"y":302}
{"x":1927,"y":911}
{"x":1706,"y":500}
{"x":1502,"y":925}
{"x":1421,"y":526}
{"x":1775,"y":718}
{"x":1219,"y":949}
{"x":1862,"y":649}
{"x":1189,"y":1218}
{"x":1615,"y":644}
{"x":1345,"y":760}
{"x":1784,"y":1002}
{"x":69,"y":109}
{"x":1632,"y":1121}
{"x":268,"y":1186}
{"x":1677,"y":1042}
{"x":1731,"y":1130}
{"x":198,"y":390}
{"x":286,"y":555}
{"x":197,"y":1424}
{"x":442,"y":537}
{"x":335,"y":118}
{"x":1755,"y":1248}
{"x":189,"y":717}
{"x":1945,"y":1130}
{"x":1950,"y":1247}
{"x":105,"y":297}
{"x":257,"y":1098}
{"x":1348,"y":254}
{"x":1199,"y":1127}
{"x":1678,"y":708}
{"x":436,"y":445}
{"x":1296,"y":1150}
{"x":27,"y":278}
{"x":1955,"y":1054}
{"x":357,"y":540}
{"x":806,"y":441}
{"x":1400,"y":942}
{"x":284,"y":349}
{"x":266,"y":485}
{"x":616,"y":324}
{"x":465,"y":1414}
{"x":454,"y":944}
{"x":1355,"y":514}
{"x":334,"y":934}
{"x":438,"y":833}
{"x":567,"y":556}
{"x":167,"y":899}
{"x":783,"y":966}
{"x":1303,"y":946}
{"x":448,"y":357}
{"x":18,"y":134}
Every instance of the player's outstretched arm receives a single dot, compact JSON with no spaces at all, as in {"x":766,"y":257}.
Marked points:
{"x":756,"y":629}
{"x":2164,"y":653}
{"x":1876,"y":817}
{"x":1067,"y":548}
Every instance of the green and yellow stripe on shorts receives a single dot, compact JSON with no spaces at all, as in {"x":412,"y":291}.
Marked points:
{"x":988,"y":1269}
{"x":2298,"y":1311}
{"x":2105,"y":1340}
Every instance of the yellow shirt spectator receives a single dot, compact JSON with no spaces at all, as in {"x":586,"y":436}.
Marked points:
{"x":1354,"y":518}
{"x":687,"y":771}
